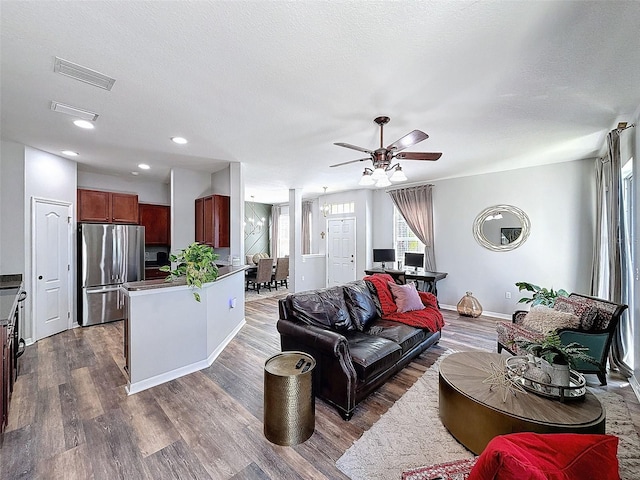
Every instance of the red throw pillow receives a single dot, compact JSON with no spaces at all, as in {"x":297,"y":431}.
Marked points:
{"x":406,"y":297}
{"x":552,"y":456}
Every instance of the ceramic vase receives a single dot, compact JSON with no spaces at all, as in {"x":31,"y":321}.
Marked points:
{"x":469,"y":306}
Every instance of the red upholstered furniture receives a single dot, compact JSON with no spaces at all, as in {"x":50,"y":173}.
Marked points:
{"x":556,"y":456}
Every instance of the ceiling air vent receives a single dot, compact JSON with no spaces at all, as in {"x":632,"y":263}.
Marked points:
{"x":83,"y":74}
{"x":74,"y":111}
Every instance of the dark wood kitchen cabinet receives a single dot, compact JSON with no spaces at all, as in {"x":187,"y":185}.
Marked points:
{"x":107,"y":207}
{"x":155,"y":220}
{"x":212,"y":220}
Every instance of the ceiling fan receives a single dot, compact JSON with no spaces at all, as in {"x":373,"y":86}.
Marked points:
{"x":382,"y":157}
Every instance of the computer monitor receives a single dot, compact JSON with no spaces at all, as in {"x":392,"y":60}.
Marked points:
{"x":384,"y":255}
{"x":415,"y":260}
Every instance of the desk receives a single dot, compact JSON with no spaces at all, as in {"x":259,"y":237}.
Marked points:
{"x":429,"y":279}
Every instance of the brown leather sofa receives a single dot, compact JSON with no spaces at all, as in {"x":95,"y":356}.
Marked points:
{"x":355,"y":350}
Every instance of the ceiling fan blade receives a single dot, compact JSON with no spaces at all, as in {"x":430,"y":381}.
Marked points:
{"x":350,"y":161}
{"x":418,"y":156}
{"x":408,"y":140}
{"x":353,"y":147}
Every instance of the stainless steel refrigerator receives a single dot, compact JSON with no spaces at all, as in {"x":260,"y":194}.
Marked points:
{"x":108,"y":256}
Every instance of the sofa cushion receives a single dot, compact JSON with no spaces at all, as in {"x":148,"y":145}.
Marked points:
{"x":325,"y":307}
{"x":556,"y":456}
{"x":580,"y":307}
{"x":544,"y":319}
{"x":406,"y":297}
{"x":371,"y":355}
{"x":360,"y":304}
{"x":404,"y":335}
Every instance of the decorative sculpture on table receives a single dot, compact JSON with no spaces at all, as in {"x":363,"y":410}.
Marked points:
{"x":501,"y":379}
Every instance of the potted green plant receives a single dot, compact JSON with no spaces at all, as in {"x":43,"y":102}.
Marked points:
{"x":558,"y":357}
{"x":541,"y":295}
{"x":196,"y":263}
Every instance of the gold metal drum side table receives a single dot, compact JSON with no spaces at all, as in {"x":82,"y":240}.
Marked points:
{"x":289,"y":403}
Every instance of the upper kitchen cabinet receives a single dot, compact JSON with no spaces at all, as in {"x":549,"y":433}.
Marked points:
{"x":212,"y":220}
{"x":155,"y":220}
{"x":107,"y":207}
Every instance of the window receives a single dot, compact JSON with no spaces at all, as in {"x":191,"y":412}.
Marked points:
{"x":283,"y":235}
{"x":342,"y":208}
{"x":403,"y":238}
{"x":629,"y":225}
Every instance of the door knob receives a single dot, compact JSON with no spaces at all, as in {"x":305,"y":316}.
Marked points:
{"x":40,"y":277}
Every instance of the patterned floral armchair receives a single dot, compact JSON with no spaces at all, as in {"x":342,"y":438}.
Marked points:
{"x":578,"y":318}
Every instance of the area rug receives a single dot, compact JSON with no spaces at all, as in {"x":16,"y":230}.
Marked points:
{"x":410,"y":435}
{"x":252,"y":295}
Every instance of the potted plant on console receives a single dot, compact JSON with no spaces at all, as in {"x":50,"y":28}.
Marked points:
{"x":557,"y":359}
{"x":196,"y":263}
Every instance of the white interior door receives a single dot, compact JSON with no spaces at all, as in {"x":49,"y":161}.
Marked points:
{"x":52,"y":240}
{"x":341,"y":251}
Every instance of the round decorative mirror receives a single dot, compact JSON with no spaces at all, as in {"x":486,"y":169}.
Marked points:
{"x":501,"y":228}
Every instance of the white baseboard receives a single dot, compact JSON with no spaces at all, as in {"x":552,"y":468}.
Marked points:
{"x":633,"y":381}
{"x":136,"y":387}
{"x":501,"y":316}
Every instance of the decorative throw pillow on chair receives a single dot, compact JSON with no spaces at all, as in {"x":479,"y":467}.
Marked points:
{"x":406,"y":297}
{"x":580,"y":308}
{"x":544,"y":319}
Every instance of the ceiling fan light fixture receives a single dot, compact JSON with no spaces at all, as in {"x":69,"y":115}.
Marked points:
{"x":398,"y":175}
{"x":366,"y":180}
{"x":383,"y":182}
{"x":378,"y":173}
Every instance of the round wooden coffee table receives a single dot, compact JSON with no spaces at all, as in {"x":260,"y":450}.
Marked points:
{"x":474,"y":415}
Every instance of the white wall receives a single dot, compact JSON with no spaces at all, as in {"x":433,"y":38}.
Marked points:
{"x":559,"y":202}
{"x":12,"y":217}
{"x":185,"y":187}
{"x":312,"y":270}
{"x":148,"y":191}
{"x":53,"y":178}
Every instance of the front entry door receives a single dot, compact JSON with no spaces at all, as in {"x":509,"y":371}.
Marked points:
{"x":52,"y":239}
{"x":341,"y":250}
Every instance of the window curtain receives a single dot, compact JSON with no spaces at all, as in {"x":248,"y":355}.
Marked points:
{"x":306,"y":227}
{"x":609,"y":277}
{"x":275,"y":222}
{"x":416,"y":206}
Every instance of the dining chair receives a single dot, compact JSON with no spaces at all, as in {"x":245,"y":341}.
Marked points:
{"x":262,"y":276}
{"x":281,"y":274}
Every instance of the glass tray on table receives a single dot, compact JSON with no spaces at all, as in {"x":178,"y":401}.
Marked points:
{"x":575,"y":391}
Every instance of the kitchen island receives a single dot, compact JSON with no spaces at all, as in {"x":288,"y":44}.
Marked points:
{"x":169,"y":334}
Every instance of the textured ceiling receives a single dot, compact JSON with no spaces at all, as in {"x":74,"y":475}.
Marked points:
{"x":497,"y":85}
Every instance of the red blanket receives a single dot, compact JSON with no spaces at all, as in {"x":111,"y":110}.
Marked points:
{"x":430,"y":317}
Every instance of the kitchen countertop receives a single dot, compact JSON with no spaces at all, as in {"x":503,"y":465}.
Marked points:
{"x":10,"y":281}
{"x":161,"y":283}
{"x":10,"y":288}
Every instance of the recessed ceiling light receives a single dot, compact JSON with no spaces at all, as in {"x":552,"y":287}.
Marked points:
{"x":179,"y":140}
{"x":143,"y":166}
{"x":83,"y":124}
{"x":135,"y":173}
{"x":70,"y":153}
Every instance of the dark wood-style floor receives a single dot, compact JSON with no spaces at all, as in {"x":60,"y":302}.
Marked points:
{"x":70,"y":417}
